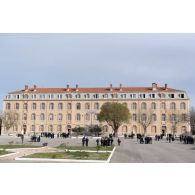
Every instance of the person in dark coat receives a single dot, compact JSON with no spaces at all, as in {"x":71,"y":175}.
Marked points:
{"x":111,"y":141}
{"x":87,"y":141}
{"x":97,"y":141}
{"x":83,"y":141}
{"x":119,"y":142}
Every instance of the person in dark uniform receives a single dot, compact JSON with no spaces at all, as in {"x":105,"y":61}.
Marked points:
{"x":97,"y":141}
{"x":119,"y":142}
{"x":87,"y":141}
{"x":83,"y":141}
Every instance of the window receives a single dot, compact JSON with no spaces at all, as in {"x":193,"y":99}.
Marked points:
{"x":51,"y":106}
{"x":78,"y":106}
{"x":16,"y":116}
{"x":163,"y":117}
{"x":69,"y":106}
{"x":153,"y":106}
{"x":173,"y":106}
{"x":25,"y":106}
{"x":60,"y":106}
{"x":68,"y":96}
{"x":171,"y":95}
{"x":143,"y":117}
{"x":181,"y":95}
{"x":60,"y":128}
{"x":33,"y":128}
{"x":51,"y":117}
{"x":134,"y":106}
{"x":42,"y":106}
{"x":17,"y":106}
{"x":69,"y":117}
{"x":86,"y":96}
{"x":96,"y":106}
{"x":25,"y":117}
{"x":87,"y":117}
{"x":182,"y":106}
{"x":87,"y":106}
{"x":163,"y":106}
{"x":41,"y":128}
{"x":154,"y":118}
{"x":105,"y":96}
{"x":50,"y":128}
{"x":8,"y":106}
{"x":96,"y":96}
{"x":78,"y":117}
{"x":34,"y":106}
{"x":183,"y":117}
{"x":60,"y":116}
{"x":134,"y":117}
{"x":33,"y":116}
{"x":78,"y":96}
{"x":143,"y":106}
{"x":42,"y":117}
{"x":173,"y":117}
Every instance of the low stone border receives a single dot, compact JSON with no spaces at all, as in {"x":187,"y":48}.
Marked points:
{"x":2,"y":156}
{"x":90,"y":151}
{"x":12,"y":149}
{"x":69,"y":160}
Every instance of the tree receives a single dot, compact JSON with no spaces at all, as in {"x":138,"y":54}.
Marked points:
{"x":145,"y":119}
{"x":78,"y":130}
{"x":10,"y":120}
{"x":192,"y":120}
{"x":115,"y":114}
{"x":95,"y":129}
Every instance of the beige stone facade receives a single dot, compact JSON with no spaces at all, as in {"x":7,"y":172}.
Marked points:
{"x":61,"y":109}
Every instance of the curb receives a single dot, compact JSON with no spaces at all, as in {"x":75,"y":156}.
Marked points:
{"x":109,"y":158}
{"x":89,"y":151}
{"x":60,"y":160}
{"x":6,"y":155}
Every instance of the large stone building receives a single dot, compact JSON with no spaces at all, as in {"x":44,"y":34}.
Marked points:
{"x":61,"y":109}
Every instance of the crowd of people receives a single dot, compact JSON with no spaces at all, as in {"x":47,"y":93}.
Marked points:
{"x":186,"y":139}
{"x":48,"y":135}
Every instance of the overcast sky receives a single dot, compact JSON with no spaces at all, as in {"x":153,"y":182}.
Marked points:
{"x":96,"y":60}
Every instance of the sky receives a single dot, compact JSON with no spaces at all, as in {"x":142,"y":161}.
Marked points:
{"x":97,"y":60}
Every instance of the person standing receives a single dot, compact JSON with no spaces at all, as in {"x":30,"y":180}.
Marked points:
{"x":83,"y":141}
{"x":119,"y":142}
{"x":87,"y":141}
{"x":97,"y":141}
{"x":22,"y":136}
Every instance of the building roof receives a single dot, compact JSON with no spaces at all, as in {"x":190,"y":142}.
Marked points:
{"x":95,"y":90}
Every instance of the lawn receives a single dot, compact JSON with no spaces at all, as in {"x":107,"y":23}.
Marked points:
{"x":3,"y":152}
{"x":71,"y":155}
{"x":17,"y":146}
{"x":110,"y":148}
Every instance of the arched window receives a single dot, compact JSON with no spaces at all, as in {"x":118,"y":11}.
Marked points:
{"x":173,"y":117}
{"x":143,"y":117}
{"x":154,"y":117}
{"x":163,"y":117}
{"x":183,"y":117}
{"x":182,"y":106}
{"x":59,"y":128}
{"x":134,"y":106}
{"x":33,"y":116}
{"x":69,"y":106}
{"x":42,"y":117}
{"x":60,"y":116}
{"x":153,"y":106}
{"x":34,"y":106}
{"x":17,"y":106}
{"x":143,"y":106}
{"x":42,"y":106}
{"x":69,"y":117}
{"x":78,"y":106}
{"x":134,"y":117}
{"x":96,"y":106}
{"x":60,"y":106}
{"x":51,"y":117}
{"x":8,"y":106}
{"x":25,"y":116}
{"x":33,"y":128}
{"x":87,"y":117}
{"x":87,"y":106}
{"x":41,"y":128}
{"x":51,"y":106}
{"x":50,"y":128}
{"x":78,"y":117}
{"x":25,"y":106}
{"x":173,"y":106}
{"x":163,"y":106}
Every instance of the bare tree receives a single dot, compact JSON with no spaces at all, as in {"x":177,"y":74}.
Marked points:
{"x":144,"y":118}
{"x":10,"y":120}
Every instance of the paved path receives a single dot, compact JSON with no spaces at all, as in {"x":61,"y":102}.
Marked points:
{"x":159,"y":152}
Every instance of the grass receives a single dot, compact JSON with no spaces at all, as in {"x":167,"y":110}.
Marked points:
{"x":3,"y":152}
{"x":110,"y":148}
{"x":17,"y":146}
{"x":71,"y":155}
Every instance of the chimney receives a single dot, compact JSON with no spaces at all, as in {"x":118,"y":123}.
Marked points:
{"x":67,"y":87}
{"x":34,"y":86}
{"x":154,"y":86}
{"x":166,"y":86}
{"x":111,"y":87}
{"x":26,"y":87}
{"x":77,"y":87}
{"x":121,"y":87}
